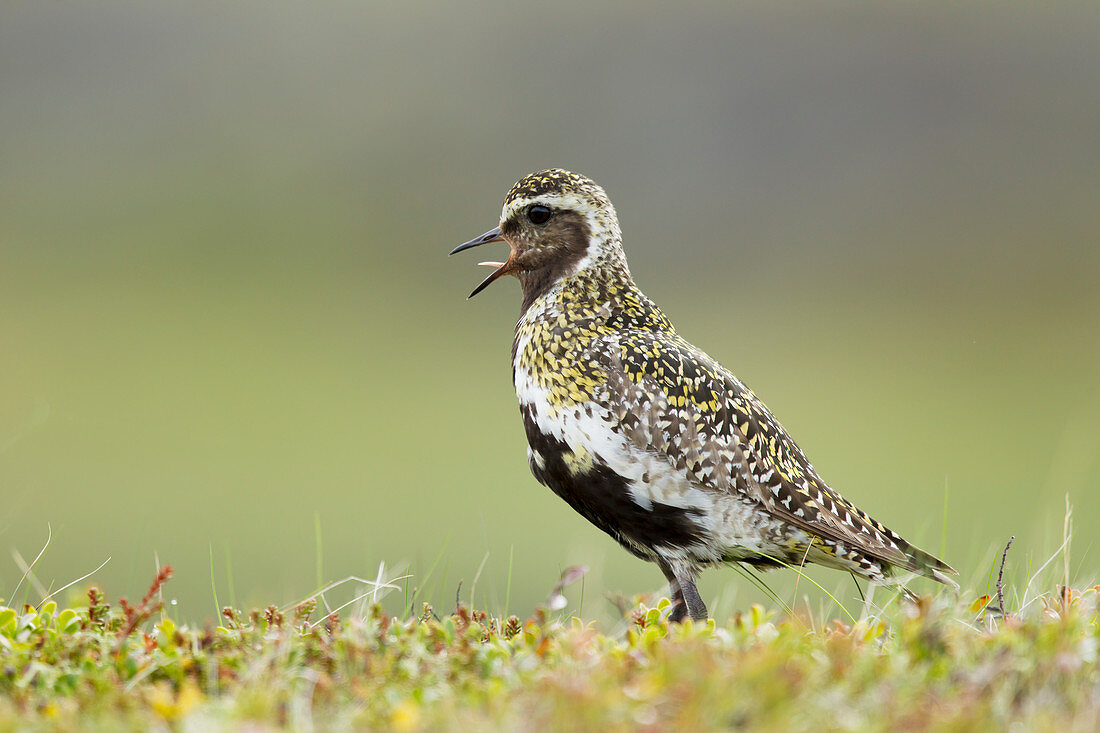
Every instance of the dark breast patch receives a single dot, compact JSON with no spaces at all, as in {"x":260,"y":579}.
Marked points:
{"x":602,"y":497}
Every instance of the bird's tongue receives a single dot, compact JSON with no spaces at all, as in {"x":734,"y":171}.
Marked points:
{"x":503,"y":268}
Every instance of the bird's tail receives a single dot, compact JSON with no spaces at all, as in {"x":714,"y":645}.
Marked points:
{"x":929,"y":565}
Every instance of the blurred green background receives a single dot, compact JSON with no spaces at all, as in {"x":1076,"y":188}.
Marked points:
{"x":227,"y":317}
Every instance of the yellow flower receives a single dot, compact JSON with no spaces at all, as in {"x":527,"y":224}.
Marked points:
{"x":405,"y":716}
{"x":172,"y":707}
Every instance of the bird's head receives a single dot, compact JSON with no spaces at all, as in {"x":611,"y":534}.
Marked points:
{"x":556,"y":224}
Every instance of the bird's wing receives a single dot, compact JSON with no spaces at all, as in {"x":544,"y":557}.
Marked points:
{"x":673,"y":399}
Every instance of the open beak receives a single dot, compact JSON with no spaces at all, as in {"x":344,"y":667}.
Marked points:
{"x":502,"y":268}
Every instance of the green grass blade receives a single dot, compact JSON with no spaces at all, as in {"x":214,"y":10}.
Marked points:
{"x":943,"y":523}
{"x":214,"y":587}
{"x":819,"y":586}
{"x":320,"y":555}
{"x":422,"y":585}
{"x":508,"y":587}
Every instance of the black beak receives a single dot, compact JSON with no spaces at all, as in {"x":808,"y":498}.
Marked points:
{"x":493,"y":235}
{"x":503,"y":268}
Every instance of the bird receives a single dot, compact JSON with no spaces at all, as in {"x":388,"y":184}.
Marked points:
{"x":645,"y":435}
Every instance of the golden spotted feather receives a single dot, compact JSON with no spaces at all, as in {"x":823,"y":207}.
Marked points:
{"x":675,"y":400}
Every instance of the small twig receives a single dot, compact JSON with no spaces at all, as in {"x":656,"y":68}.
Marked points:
{"x":1037,"y":573}
{"x":378,"y":583}
{"x":458,"y":592}
{"x":341,"y":608}
{"x":1000,"y":577}
{"x":82,"y":577}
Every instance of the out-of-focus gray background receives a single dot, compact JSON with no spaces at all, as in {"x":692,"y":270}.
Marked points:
{"x":227,"y":317}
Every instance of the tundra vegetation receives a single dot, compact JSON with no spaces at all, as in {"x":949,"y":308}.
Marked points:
{"x":941,"y":662}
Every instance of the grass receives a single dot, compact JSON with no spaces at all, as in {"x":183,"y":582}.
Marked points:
{"x":944,"y":662}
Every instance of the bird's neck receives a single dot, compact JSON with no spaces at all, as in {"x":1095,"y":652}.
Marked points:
{"x":587,"y":278}
{"x":602,"y":293}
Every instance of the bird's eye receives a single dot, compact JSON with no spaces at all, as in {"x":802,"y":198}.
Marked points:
{"x":538,"y":214}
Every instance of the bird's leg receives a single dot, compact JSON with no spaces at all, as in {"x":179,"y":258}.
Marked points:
{"x":687,"y":599}
{"x":694,"y":602}
{"x":679,"y":606}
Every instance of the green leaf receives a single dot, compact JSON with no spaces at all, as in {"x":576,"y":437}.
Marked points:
{"x":67,"y":619}
{"x":7,"y":621}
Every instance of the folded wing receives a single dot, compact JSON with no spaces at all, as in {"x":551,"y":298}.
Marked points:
{"x":675,"y":400}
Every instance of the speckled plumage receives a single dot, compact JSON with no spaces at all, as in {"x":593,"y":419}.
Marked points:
{"x":644,"y":434}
